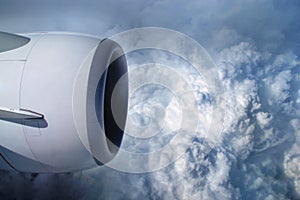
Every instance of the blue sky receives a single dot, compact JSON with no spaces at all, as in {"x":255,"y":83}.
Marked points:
{"x":255,"y":45}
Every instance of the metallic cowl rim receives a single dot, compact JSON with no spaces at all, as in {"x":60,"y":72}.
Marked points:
{"x":104,"y":129}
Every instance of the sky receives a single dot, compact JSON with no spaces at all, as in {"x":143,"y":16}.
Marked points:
{"x":255,"y":46}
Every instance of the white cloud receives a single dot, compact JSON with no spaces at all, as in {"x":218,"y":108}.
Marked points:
{"x":278,"y":88}
{"x":255,"y":44}
{"x":264,"y":119}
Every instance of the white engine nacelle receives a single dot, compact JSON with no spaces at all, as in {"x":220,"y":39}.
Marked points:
{"x":55,"y":101}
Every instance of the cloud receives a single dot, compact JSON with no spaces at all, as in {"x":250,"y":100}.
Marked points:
{"x":40,"y":186}
{"x":270,"y":24}
{"x":257,"y":134}
{"x":256,"y":47}
{"x":278,"y":87}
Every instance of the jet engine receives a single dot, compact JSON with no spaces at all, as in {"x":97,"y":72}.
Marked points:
{"x":56,"y":110}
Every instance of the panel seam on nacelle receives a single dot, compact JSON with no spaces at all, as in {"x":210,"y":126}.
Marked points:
{"x":20,"y":92}
{"x":91,"y":54}
{"x":20,"y":87}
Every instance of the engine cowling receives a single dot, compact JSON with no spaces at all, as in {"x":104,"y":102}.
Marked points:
{"x":55,"y":101}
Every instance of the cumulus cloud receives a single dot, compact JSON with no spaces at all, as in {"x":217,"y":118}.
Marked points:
{"x":256,"y":47}
{"x":261,"y":125}
{"x":247,"y":163}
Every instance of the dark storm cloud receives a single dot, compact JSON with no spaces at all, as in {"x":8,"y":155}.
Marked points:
{"x":15,"y":185}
